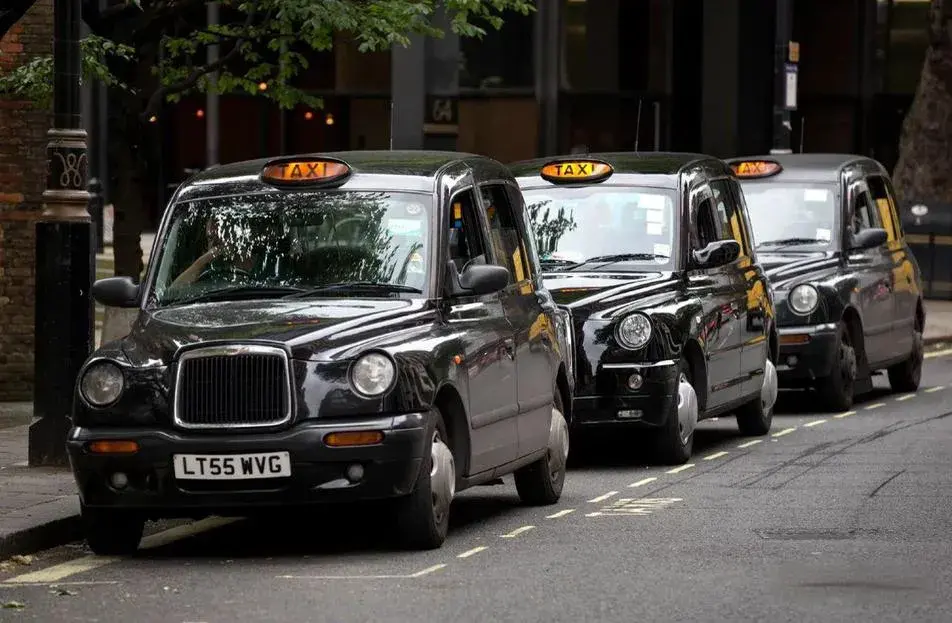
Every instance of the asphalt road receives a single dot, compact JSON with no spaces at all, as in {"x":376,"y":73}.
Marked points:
{"x":832,"y":517}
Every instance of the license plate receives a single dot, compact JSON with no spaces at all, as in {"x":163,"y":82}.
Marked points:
{"x":232,"y":466}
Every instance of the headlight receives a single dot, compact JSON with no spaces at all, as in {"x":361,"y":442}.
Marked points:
{"x":803,"y":299}
{"x":102,"y":384}
{"x":373,"y":374}
{"x":634,"y":331}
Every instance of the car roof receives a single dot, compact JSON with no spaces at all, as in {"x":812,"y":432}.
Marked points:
{"x":411,"y":170}
{"x":809,"y":167}
{"x":652,"y":168}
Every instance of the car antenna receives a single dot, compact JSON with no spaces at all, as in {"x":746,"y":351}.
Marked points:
{"x":803,"y":122}
{"x":638,"y":126}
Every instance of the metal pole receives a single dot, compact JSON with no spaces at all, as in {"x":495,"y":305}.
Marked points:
{"x":781,"y":126}
{"x":212,"y":118}
{"x":64,"y":266}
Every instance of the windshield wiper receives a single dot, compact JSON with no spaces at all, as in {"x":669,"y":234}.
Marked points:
{"x":357,"y":286}
{"x":790,"y":241}
{"x":557,"y":262}
{"x":620,"y":257}
{"x":225,"y":293}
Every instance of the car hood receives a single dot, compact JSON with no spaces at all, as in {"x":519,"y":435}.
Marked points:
{"x":784,"y":269}
{"x":310,"y":329}
{"x":603,"y":293}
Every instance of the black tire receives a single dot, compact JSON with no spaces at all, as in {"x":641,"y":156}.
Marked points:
{"x":836,"y":390}
{"x":755,"y":418}
{"x":671,"y":446}
{"x":423,"y":517}
{"x":905,"y":376}
{"x":540,"y":483}
{"x":111,"y":532}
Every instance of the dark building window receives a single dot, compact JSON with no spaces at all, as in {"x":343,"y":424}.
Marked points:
{"x":502,"y":59}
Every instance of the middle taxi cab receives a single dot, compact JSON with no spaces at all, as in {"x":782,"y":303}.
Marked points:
{"x":672,"y":317}
{"x":328,"y":328}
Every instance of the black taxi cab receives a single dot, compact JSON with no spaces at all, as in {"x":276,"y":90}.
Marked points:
{"x":672,"y":319}
{"x":340,"y":327}
{"x":848,"y":289}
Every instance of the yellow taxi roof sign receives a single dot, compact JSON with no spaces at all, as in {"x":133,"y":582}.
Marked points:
{"x":568,"y":171}
{"x":755,"y":168}
{"x":304,"y":171}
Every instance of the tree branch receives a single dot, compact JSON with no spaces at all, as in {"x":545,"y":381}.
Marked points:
{"x":12,"y":12}
{"x":195,"y":75}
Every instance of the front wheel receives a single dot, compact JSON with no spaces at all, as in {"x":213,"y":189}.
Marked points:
{"x":756,"y":417}
{"x":905,"y":376}
{"x":423,"y":517}
{"x":836,"y":390}
{"x":675,"y":442}
{"x":541,"y":482}
{"x":111,"y":532}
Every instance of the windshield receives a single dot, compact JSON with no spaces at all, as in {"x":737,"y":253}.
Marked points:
{"x":611,"y":228}
{"x":790,"y":214}
{"x":281,"y":244}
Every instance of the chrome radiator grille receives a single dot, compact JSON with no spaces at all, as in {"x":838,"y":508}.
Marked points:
{"x":232,"y":387}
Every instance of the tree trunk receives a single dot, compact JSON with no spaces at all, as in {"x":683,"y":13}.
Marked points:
{"x":924,"y":169}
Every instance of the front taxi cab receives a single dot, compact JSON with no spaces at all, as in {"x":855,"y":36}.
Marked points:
{"x":848,"y":289}
{"x":326,"y":328}
{"x":672,"y":320}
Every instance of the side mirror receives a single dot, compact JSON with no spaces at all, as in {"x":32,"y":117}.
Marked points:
{"x":484,"y":278}
{"x":870,"y":238}
{"x":116,"y":292}
{"x":717,"y":253}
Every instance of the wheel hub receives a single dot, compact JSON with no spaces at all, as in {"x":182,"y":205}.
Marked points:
{"x":442,"y":477}
{"x":687,"y":409}
{"x":770,"y":389}
{"x":558,"y":444}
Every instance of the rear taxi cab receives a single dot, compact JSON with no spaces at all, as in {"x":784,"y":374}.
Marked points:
{"x":847,"y":287}
{"x":672,"y":320}
{"x":362,"y":326}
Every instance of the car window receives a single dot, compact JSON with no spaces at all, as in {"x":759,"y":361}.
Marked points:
{"x":885,"y":205}
{"x":862,"y":211}
{"x":706,"y":229}
{"x":504,"y":232}
{"x":465,"y":238}
{"x":783,"y":213}
{"x":730,"y":225}
{"x":532,"y":251}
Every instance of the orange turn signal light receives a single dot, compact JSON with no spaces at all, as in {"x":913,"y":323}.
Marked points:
{"x":353,"y":438}
{"x":113,"y":446}
{"x":795,"y":338}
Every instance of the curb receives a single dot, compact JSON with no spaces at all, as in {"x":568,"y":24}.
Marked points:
{"x":40,"y":537}
{"x":936,"y":339}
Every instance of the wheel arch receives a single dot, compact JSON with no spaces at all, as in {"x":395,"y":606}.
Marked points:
{"x":694,"y":354}
{"x":450,"y":405}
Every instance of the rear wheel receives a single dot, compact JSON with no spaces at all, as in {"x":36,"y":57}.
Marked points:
{"x":111,"y":532}
{"x":423,"y":517}
{"x":675,"y":441}
{"x":836,"y":390}
{"x":541,"y":482}
{"x":756,"y":417}
{"x":905,"y":376}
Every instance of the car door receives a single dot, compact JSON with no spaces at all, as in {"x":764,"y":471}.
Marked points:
{"x":873,"y":272}
{"x":754,"y":343}
{"x":719,"y":293}
{"x":902,"y":264}
{"x":531,"y":333}
{"x":488,"y":358}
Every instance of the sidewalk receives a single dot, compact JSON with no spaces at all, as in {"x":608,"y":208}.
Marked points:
{"x":39,"y":508}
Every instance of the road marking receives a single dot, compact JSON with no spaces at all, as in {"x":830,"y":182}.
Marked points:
{"x":875,"y":406}
{"x":678,"y":470}
{"x":642,"y":482}
{"x":750,"y":443}
{"x":602,"y":498}
{"x":517,"y":532}
{"x":67,"y":583}
{"x":906,"y":397}
{"x":814,"y":423}
{"x":473,"y":551}
{"x":935,"y":389}
{"x":418,"y":574}
{"x":938,"y":353}
{"x":634,"y":507}
{"x":785,"y":431}
{"x":560,"y":513}
{"x":63,"y":570}
{"x":843,"y":415}
{"x":716,"y":455}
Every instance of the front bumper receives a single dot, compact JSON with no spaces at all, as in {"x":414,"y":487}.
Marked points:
{"x":616,"y":404}
{"x":318,"y":471}
{"x":806,"y":353}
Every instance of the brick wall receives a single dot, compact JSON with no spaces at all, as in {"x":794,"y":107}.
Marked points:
{"x":22,"y":179}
